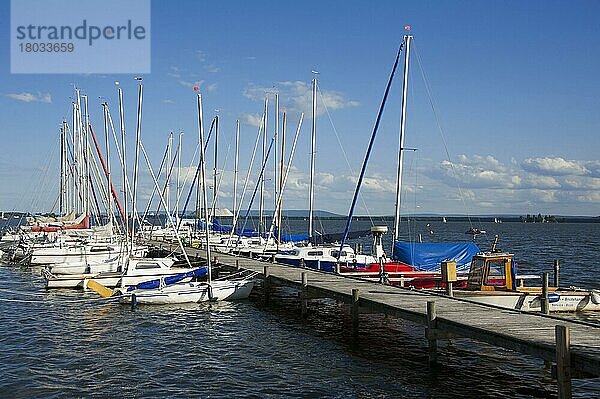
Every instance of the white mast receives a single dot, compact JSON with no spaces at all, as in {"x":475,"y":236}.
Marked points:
{"x":280,"y":199}
{"x":74,"y":167}
{"x":312,"y":160}
{"x":86,"y":158}
{"x":136,"y":160}
{"x":407,"y":41}
{"x":79,"y":161}
{"x":178,"y":178}
{"x":275,"y":149}
{"x":168,"y":173}
{"x":108,"y":180}
{"x":215,"y":170}
{"x":203,"y":179}
{"x":62,"y":168}
{"x":262,"y":180}
{"x":123,"y":165}
{"x":236,"y":164}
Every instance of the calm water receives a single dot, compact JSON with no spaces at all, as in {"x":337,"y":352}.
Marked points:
{"x":69,"y":344}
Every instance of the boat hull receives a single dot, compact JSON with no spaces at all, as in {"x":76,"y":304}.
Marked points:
{"x":192,"y":293}
{"x":566,"y":301}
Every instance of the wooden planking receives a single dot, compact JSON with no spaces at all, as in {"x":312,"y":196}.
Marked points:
{"x":524,"y":332}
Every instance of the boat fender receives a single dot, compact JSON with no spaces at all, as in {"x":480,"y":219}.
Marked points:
{"x":595,"y":296}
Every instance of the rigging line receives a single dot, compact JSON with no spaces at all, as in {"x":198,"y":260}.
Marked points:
{"x":441,"y":130}
{"x":39,"y":181}
{"x":369,"y":148}
{"x":337,"y":136}
{"x":222,"y":174}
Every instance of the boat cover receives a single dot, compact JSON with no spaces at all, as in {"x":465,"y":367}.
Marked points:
{"x":175,"y":278}
{"x":428,"y":256}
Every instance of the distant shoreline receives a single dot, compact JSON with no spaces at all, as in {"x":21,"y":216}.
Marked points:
{"x":321,"y":215}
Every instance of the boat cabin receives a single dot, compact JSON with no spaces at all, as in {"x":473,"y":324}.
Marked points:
{"x":492,"y":271}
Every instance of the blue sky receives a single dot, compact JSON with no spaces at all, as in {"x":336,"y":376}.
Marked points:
{"x":514,"y":84}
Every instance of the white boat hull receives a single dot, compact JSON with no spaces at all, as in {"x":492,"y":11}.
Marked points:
{"x":194,"y":292}
{"x":565,"y":301}
{"x":138,"y":271}
{"x":90,"y":266}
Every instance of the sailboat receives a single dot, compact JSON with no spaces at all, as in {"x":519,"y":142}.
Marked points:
{"x":238,"y":286}
{"x":412,"y":257}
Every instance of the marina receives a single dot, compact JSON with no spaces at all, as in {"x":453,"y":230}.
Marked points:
{"x":300,"y":200}
{"x":322,"y":324}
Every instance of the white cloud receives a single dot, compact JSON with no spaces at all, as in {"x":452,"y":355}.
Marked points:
{"x":168,"y":101}
{"x":554,"y":166}
{"x":251,"y":119}
{"x":189,"y":84}
{"x":557,"y":183}
{"x":31,"y":97}
{"x":296,"y":96}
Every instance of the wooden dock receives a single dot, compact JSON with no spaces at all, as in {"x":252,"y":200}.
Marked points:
{"x":573,"y":345}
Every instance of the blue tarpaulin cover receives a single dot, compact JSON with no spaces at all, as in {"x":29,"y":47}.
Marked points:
{"x":151,"y":284}
{"x":427,"y":256}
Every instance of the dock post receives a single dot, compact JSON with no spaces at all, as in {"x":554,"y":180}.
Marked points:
{"x":431,"y":327}
{"x":133,"y":302}
{"x":563,"y":361}
{"x":449,"y":276}
{"x":304,"y":294}
{"x":449,"y":290}
{"x":355,"y":298}
{"x":556,"y":268}
{"x":545,"y":300}
{"x":302,"y":264}
{"x":267,"y":283}
{"x":237,"y":265}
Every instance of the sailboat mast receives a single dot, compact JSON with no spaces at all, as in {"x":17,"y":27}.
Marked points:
{"x":407,"y":41}
{"x":107,"y":143}
{"x":203,"y":180}
{"x":236,"y":164}
{"x":168,"y":174}
{"x":178,"y":178}
{"x":86,"y":158}
{"x":79,"y":156}
{"x":275,"y":166}
{"x":215,"y":171}
{"x":123,"y":165}
{"x":62,"y":170}
{"x":282,"y":171}
{"x":312,"y":160}
{"x":138,"y":134}
{"x":262,"y":180}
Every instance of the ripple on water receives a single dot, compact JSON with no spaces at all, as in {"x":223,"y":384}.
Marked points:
{"x":64,"y":344}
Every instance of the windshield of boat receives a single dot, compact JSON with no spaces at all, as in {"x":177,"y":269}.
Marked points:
{"x":496,"y":274}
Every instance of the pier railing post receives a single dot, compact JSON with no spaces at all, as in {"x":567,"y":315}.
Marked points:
{"x":449,"y":276}
{"x":304,"y":293}
{"x":267,"y":283}
{"x":355,"y":299}
{"x":431,"y":330}
{"x":545,"y":299}
{"x":563,"y":361}
{"x":556,"y":269}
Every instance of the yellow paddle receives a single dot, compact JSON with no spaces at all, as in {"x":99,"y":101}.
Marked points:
{"x":104,"y":292}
